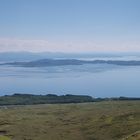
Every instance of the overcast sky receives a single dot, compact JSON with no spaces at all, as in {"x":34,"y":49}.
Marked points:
{"x":69,"y":25}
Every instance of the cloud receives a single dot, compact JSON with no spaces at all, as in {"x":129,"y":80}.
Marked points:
{"x":8,"y":44}
{"x":34,"y":45}
{"x":14,"y":44}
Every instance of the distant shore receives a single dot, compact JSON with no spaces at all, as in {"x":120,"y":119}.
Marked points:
{"x":30,"y":99}
{"x":64,"y":62}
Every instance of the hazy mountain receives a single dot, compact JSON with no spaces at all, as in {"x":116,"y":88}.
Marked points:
{"x":62,"y":62}
{"x":29,"y":56}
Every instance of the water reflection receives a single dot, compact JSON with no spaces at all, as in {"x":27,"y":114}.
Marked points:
{"x":96,"y":80}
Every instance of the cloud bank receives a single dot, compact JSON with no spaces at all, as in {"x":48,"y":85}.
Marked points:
{"x":34,"y":45}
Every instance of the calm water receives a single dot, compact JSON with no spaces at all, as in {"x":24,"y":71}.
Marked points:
{"x":94,"y":80}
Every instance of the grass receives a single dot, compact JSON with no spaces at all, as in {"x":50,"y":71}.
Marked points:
{"x":111,"y":120}
{"x":4,"y":138}
{"x":134,"y":136}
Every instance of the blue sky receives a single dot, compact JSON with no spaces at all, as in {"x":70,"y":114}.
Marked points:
{"x":69,"y":25}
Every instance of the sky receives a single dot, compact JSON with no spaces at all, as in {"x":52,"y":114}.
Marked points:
{"x":70,"y":25}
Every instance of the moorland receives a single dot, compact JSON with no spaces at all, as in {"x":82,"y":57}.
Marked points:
{"x":106,"y":120}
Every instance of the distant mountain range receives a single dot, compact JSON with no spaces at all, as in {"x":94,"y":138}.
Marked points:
{"x":30,"y":59}
{"x":30,"y":56}
{"x":63,"y":62}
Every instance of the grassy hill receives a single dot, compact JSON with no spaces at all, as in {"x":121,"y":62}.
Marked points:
{"x":30,"y":99}
{"x":107,"y":120}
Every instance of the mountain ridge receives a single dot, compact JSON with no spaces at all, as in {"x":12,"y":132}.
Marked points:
{"x":64,"y":62}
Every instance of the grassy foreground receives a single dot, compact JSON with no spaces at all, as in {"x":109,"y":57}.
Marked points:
{"x":110,"y":120}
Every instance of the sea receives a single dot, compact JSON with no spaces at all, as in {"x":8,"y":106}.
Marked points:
{"x":96,"y":80}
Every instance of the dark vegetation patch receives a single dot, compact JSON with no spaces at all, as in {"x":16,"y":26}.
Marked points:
{"x":3,"y":132}
{"x":30,"y":99}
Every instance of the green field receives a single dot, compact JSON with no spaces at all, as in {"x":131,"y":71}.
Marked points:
{"x":110,"y":120}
